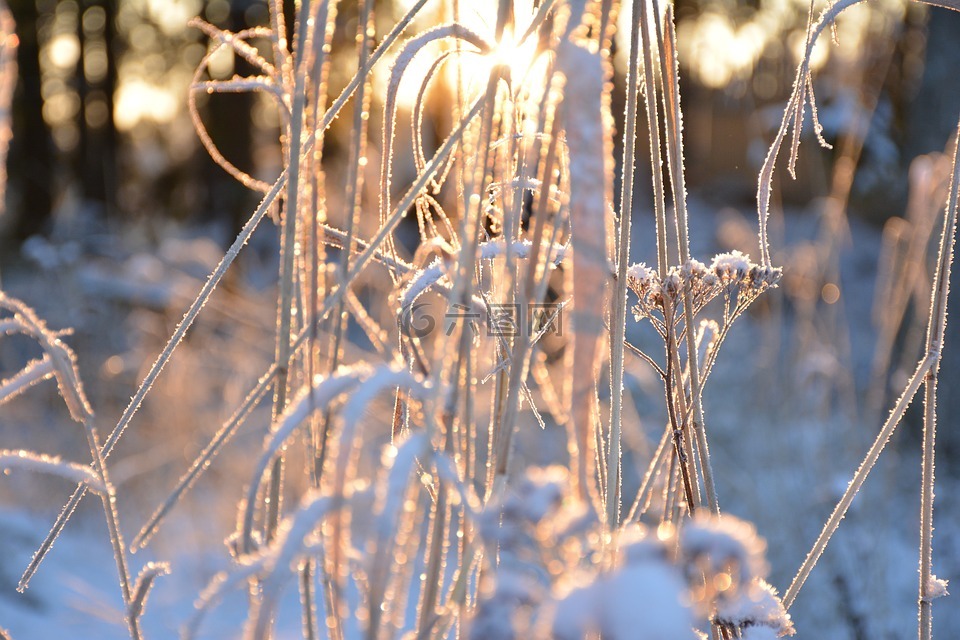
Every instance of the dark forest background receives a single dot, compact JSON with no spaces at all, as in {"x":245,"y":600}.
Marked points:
{"x":100,"y":123}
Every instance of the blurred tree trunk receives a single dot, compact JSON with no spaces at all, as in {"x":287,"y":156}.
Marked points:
{"x":95,"y":166}
{"x":937,"y":102}
{"x":31,"y":151}
{"x":229,"y":122}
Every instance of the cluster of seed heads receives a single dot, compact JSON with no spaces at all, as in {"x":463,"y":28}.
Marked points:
{"x":731,"y":275}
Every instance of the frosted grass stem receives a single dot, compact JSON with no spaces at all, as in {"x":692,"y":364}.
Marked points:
{"x":861,"y":474}
{"x":203,"y":461}
{"x":925,"y":372}
{"x":671,"y":98}
{"x":369,"y":253}
{"x":153,"y":373}
{"x":285,"y":307}
{"x":618,"y":323}
{"x":203,"y":296}
{"x":53,"y":465}
{"x":935,"y":334}
{"x":35,"y":372}
{"x":651,"y":71}
{"x":109,"y":500}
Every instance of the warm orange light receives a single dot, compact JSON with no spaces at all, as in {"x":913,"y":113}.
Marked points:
{"x":518,"y":56}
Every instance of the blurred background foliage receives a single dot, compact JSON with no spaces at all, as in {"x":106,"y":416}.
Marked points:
{"x":101,"y":128}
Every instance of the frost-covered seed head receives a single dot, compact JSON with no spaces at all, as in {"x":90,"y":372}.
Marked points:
{"x":772,"y":275}
{"x":733,"y":266}
{"x":641,"y":278}
{"x":671,"y":284}
{"x":637,"y":545}
{"x":761,"y":277}
{"x":719,"y":546}
{"x":755,"y":606}
{"x":693,"y":270}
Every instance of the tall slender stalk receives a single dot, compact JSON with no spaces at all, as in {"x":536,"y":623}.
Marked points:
{"x":926,"y":371}
{"x":521,"y":353}
{"x":153,"y":373}
{"x":935,"y":333}
{"x":653,"y":79}
{"x":550,"y":160}
{"x":618,"y":320}
{"x":109,"y":499}
{"x":671,"y":99}
{"x":285,"y":306}
{"x":912,"y":386}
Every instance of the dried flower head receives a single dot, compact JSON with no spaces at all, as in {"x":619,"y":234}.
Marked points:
{"x":640,"y":278}
{"x":731,"y":267}
{"x":755,"y":607}
{"x":721,"y":545}
{"x":672,"y":284}
{"x":693,"y":271}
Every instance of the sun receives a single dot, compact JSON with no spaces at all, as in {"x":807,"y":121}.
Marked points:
{"x":520,"y":56}
{"x":469,"y":69}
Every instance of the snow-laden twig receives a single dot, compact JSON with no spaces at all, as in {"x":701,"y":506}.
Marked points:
{"x":141,"y":588}
{"x":792,"y":117}
{"x":936,"y":329}
{"x":273,"y":563}
{"x":147,"y":383}
{"x":64,"y":365}
{"x":372,"y":384}
{"x":62,"y":359}
{"x":389,"y":507}
{"x":34,"y":372}
{"x":53,"y":465}
{"x":290,"y":540}
{"x":422,"y":280}
{"x":318,"y":396}
{"x":205,"y":459}
{"x":588,"y":129}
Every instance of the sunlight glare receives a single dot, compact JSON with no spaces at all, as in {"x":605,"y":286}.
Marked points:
{"x":138,"y":100}
{"x":519,"y":57}
{"x":64,"y":50}
{"x":470,"y":68}
{"x":718,"y":50}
